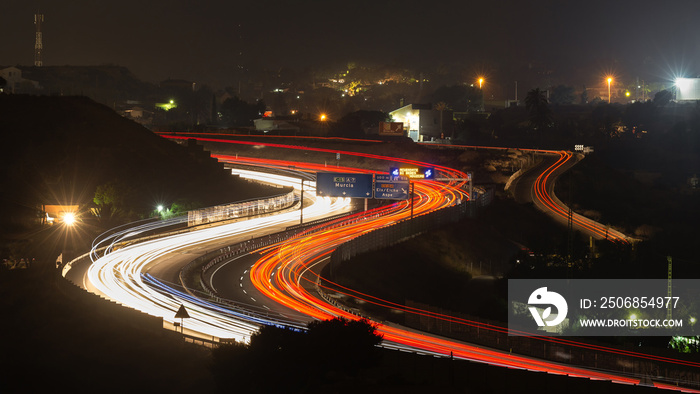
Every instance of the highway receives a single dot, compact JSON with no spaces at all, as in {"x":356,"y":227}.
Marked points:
{"x":537,"y":185}
{"x":283,"y":278}
{"x":143,"y":275}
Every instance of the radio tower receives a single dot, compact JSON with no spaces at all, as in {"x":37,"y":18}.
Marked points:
{"x":38,"y":45}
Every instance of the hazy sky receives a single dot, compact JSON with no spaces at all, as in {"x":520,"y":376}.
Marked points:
{"x":201,"y":40}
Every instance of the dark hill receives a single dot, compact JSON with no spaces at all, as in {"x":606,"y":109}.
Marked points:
{"x":59,"y":149}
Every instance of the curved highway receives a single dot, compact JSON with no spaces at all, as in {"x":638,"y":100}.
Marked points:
{"x":283,"y":277}
{"x":537,"y":186}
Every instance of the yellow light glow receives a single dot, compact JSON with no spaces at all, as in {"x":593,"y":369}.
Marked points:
{"x":69,"y":218}
{"x":609,"y":79}
{"x":323,"y":117}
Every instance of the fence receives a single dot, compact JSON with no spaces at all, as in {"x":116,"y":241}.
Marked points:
{"x":480,"y":331}
{"x":391,"y":235}
{"x":241,"y":209}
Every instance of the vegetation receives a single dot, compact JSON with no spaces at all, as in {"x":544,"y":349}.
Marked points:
{"x":57,"y":335}
{"x":70,"y":150}
{"x":285,"y":360}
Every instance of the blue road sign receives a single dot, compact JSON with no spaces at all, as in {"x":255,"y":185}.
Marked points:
{"x":414,"y":172}
{"x":390,"y":187}
{"x":334,"y":184}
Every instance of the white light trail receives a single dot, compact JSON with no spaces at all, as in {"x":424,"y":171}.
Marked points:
{"x":118,"y":275}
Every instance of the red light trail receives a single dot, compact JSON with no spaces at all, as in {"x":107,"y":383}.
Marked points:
{"x":285,"y":272}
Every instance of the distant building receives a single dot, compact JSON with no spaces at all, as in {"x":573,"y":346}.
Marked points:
{"x":139,"y":115}
{"x":267,"y":125}
{"x":15,"y":82}
{"x":57,"y":212}
{"x":422,"y":122}
{"x":687,"y":89}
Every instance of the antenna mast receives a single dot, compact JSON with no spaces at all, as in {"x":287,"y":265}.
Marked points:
{"x":38,"y":44}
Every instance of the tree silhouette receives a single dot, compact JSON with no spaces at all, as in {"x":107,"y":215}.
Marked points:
{"x":562,"y":95}
{"x":441,"y":106}
{"x":538,"y":109}
{"x":332,"y":349}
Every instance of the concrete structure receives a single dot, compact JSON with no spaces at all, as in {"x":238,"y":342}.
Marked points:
{"x":422,"y":123}
{"x":15,"y":82}
{"x":687,"y":89}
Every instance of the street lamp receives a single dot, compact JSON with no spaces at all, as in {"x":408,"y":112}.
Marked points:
{"x":69,"y":218}
{"x":481,"y":84}
{"x":609,"y":81}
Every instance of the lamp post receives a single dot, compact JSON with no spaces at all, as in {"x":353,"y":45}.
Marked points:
{"x":481,"y":84}
{"x":609,"y":81}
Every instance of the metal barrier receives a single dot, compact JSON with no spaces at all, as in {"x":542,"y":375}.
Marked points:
{"x":237,"y":210}
{"x":391,"y":235}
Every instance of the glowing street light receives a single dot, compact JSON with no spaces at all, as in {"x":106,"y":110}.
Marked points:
{"x":609,"y":82}
{"x":323,"y":117}
{"x":69,"y":218}
{"x":159,"y":208}
{"x":481,"y":84}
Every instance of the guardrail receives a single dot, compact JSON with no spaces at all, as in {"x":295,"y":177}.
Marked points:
{"x":237,"y":210}
{"x":395,"y":233}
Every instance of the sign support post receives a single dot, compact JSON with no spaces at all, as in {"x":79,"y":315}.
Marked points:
{"x":301,"y":211}
{"x":412,"y":183}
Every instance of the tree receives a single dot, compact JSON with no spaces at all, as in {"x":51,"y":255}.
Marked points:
{"x":562,"y":95}
{"x":344,"y":345}
{"x":354,"y":124}
{"x":441,"y":106}
{"x":584,"y":95}
{"x":662,"y":98}
{"x":332,"y":348}
{"x":538,"y":109}
{"x":236,"y":112}
{"x":111,"y":200}
{"x":459,"y":97}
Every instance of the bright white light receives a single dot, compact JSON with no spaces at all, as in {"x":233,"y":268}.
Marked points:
{"x":69,"y":218}
{"x":160,"y":208}
{"x":687,"y":88}
{"x":682,"y":83}
{"x":118,"y":275}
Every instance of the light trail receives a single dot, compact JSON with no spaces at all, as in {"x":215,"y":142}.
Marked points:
{"x":284,"y":274}
{"x":121,"y":274}
{"x":541,"y":189}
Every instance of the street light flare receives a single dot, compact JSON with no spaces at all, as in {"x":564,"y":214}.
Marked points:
{"x":69,"y":218}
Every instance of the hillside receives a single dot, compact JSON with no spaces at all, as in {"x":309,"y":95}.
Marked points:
{"x":60,"y":149}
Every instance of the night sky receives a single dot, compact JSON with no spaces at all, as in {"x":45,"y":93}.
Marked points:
{"x":203,"y":40}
